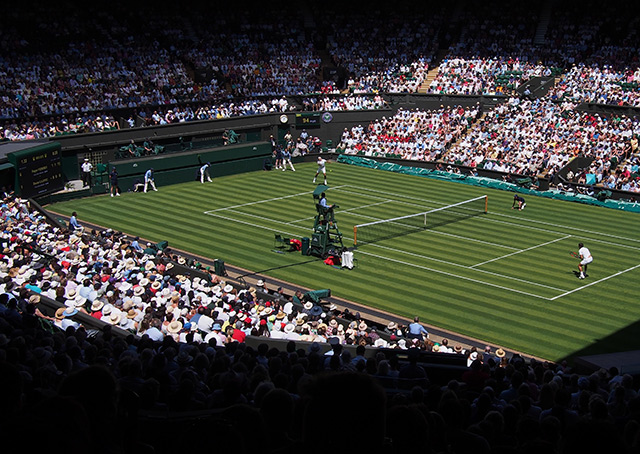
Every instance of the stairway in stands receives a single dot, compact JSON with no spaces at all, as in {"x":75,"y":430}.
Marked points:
{"x":473,"y":127}
{"x":543,"y":23}
{"x":424,"y":87}
{"x":454,"y":32}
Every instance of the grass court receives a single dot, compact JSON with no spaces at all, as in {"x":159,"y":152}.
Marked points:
{"x":505,"y":277}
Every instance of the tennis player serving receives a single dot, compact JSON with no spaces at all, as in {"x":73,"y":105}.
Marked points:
{"x":585,"y":259}
{"x":322,"y":163}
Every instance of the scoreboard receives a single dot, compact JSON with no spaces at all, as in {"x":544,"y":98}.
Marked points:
{"x":38,"y":170}
{"x":308,"y":119}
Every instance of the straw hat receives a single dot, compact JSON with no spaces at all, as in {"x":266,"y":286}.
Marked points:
{"x":174,"y":327}
{"x":114,"y":318}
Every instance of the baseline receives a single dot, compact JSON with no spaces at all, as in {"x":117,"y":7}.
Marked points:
{"x":274,"y":199}
{"x":595,"y":282}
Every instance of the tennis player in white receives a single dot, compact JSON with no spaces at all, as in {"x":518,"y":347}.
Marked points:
{"x":585,"y":259}
{"x":322,"y":167}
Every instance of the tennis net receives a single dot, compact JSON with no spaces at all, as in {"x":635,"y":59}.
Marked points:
{"x":390,"y":228}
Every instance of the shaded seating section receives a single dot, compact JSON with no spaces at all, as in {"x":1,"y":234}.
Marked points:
{"x":88,"y":351}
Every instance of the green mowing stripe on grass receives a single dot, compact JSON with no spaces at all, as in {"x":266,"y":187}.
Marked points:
{"x":498,"y":316}
{"x":440,"y":270}
{"x":592,"y":227}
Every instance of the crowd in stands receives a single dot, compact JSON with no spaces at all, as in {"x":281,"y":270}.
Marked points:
{"x":37,"y":129}
{"x":378,"y":54}
{"x":460,"y":76}
{"x":187,"y":352}
{"x":593,"y":84}
{"x":276,"y":53}
{"x":532,"y":137}
{"x":410,"y":134}
{"x":521,"y":136}
{"x":130,"y":285}
{"x":351,"y":102}
{"x":219,"y":111}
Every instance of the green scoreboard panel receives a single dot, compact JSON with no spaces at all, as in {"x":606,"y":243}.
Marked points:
{"x":308,"y":119}
{"x":38,"y":170}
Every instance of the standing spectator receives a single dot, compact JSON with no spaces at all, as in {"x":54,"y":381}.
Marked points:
{"x":87,"y":167}
{"x":149,"y":180}
{"x":113,"y":177}
{"x":204,"y":173}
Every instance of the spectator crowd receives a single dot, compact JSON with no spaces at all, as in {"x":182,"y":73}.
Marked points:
{"x":186,"y":351}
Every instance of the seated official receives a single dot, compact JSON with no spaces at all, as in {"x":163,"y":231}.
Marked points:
{"x":325,"y":205}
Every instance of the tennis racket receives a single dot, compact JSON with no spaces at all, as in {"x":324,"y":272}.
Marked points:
{"x":574,"y":254}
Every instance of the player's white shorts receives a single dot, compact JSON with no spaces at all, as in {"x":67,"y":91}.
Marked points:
{"x":323,"y":170}
{"x":586,"y":261}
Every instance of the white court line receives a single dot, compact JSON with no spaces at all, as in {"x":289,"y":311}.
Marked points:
{"x":266,"y":200}
{"x":400,"y":202}
{"x":259,"y":217}
{"x":391,"y":193}
{"x":560,"y":233}
{"x":569,"y":227}
{"x":456,"y":275}
{"x":256,"y":225}
{"x":523,"y":250}
{"x":595,"y":282}
{"x":452,"y":235}
{"x":345,"y":211}
{"x":491,"y":273}
{"x":382,"y":247}
{"x":515,"y":217}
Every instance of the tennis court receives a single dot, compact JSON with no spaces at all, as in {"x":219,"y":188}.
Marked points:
{"x":508,"y":259}
{"x":505,"y":277}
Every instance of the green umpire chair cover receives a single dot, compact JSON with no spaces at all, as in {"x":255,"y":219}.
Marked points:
{"x":219,"y":268}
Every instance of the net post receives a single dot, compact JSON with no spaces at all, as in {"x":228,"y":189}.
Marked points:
{"x":486,"y":204}
{"x":355,"y":235}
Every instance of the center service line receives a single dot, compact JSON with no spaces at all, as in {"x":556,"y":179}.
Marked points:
{"x":523,"y":250}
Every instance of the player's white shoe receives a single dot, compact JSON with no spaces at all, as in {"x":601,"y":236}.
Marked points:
{"x":581,"y":276}
{"x":314,"y":180}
